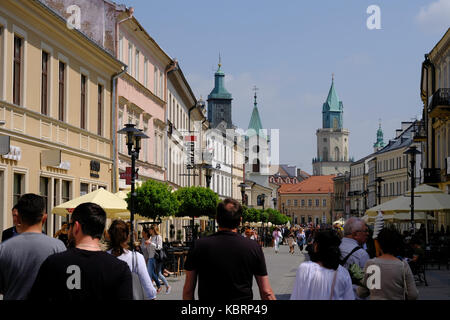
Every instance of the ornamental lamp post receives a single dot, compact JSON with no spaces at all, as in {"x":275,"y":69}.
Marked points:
{"x":413,"y":152}
{"x":133,"y":139}
{"x":243,"y":186}
{"x":208,"y":174}
{"x":379,"y":180}
{"x":274,"y":203}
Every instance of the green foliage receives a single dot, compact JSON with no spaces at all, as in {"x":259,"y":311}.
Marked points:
{"x":275,"y":217}
{"x":154,"y":199}
{"x":197,"y":202}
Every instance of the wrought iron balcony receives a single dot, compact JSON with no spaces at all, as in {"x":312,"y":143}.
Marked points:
{"x":431,"y":175}
{"x":439,"y":103}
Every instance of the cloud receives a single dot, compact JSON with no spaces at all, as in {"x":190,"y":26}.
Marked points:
{"x":435,"y":17}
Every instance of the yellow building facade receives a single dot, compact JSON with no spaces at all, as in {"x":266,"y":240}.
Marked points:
{"x":55,"y":100}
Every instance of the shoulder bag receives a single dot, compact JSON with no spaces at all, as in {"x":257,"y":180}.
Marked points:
{"x":138,"y":290}
{"x":405,"y":288}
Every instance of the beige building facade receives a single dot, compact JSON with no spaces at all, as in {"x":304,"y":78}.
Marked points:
{"x":56,"y":103}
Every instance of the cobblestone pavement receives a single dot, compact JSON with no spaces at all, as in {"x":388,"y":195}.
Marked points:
{"x":282,"y":267}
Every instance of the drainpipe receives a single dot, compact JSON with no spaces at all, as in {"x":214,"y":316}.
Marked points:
{"x":173,"y":66}
{"x":115,"y":101}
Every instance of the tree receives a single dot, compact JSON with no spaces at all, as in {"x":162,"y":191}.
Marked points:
{"x":275,"y":217}
{"x":197,"y":202}
{"x":154,"y":199}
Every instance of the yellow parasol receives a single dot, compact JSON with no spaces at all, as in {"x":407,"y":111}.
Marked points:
{"x":114,"y":206}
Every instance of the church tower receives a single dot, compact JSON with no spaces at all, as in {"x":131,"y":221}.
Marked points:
{"x":219,"y":101}
{"x":332,"y":138}
{"x":380,"y":140}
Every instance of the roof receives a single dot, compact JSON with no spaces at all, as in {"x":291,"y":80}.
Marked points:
{"x":255,"y":123}
{"x":219,"y":91}
{"x":402,"y":141}
{"x":312,"y":185}
{"x":332,"y":103}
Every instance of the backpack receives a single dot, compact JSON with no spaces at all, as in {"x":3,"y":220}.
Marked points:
{"x":356,"y":274}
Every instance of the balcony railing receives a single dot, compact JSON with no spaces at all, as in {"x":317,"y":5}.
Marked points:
{"x":431,"y":175}
{"x":439,"y":103}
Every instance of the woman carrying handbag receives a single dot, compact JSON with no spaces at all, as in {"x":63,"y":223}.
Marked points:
{"x":143,"y":288}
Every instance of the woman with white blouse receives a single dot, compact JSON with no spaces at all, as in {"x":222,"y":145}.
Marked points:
{"x":118,"y":246}
{"x":323,"y":278}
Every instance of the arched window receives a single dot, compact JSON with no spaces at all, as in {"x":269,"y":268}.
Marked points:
{"x":336,"y":154}
{"x":335,"y":123}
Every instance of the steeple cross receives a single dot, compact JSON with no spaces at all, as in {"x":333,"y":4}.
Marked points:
{"x":255,"y":89}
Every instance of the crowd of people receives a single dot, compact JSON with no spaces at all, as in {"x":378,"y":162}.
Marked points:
{"x":86,"y":262}
{"x":82,"y":262}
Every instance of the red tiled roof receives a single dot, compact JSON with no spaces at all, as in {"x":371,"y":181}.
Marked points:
{"x":314,"y":184}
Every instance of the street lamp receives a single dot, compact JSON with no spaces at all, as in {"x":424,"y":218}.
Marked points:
{"x":208,"y":174}
{"x":379,"y":180}
{"x":134,"y":137}
{"x":243,"y":186}
{"x":413,"y":152}
{"x":274,"y":203}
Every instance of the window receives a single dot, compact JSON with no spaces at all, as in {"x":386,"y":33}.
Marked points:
{"x":145,"y":142}
{"x":161,"y":85}
{"x":289,"y":203}
{"x":100,"y":110}
{"x":309,"y":203}
{"x":317,"y":202}
{"x":65,"y":196}
{"x":61,"y":88}
{"x":121,"y":48}
{"x":324,"y":202}
{"x":146,"y":72}
{"x":295,"y":203}
{"x":155,"y":81}
{"x":44,"y":84}
{"x":84,"y":189}
{"x":130,"y":58}
{"x":43,"y":189}
{"x":83,"y":102}
{"x":18,"y":188}
{"x":136,"y":73}
{"x":18,"y":42}
{"x":303,"y":203}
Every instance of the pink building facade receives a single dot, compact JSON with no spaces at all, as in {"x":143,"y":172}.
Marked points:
{"x":142,"y":100}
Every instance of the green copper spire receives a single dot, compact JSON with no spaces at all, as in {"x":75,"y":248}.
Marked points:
{"x":219,"y":91}
{"x":380,"y":143}
{"x":332,"y":110}
{"x":333,"y":99}
{"x":255,"y":120}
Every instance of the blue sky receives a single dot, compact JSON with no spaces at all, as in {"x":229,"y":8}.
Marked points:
{"x":290,"y":48}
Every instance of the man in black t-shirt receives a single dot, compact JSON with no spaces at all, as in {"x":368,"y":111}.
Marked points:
{"x":83,"y":272}
{"x":225,"y":262}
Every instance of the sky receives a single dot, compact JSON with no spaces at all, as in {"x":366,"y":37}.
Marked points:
{"x":289,"y":50}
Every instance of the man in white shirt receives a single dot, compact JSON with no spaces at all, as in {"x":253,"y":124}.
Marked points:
{"x":355,"y":235}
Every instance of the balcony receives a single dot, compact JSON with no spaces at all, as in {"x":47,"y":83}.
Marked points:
{"x":431,"y":175}
{"x":439,"y":103}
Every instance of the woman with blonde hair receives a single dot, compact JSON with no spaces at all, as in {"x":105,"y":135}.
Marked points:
{"x":118,"y":234}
